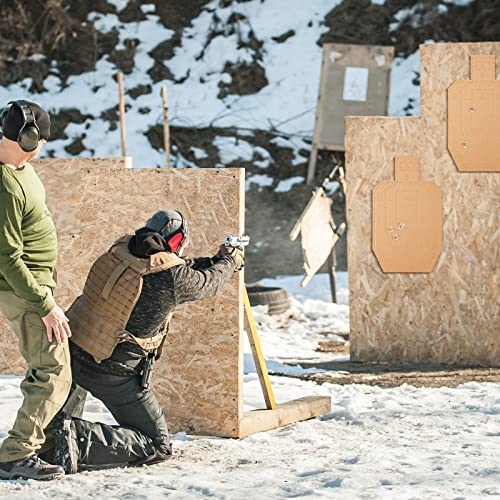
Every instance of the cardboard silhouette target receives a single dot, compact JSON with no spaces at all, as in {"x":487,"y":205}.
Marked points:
{"x":474,"y":118}
{"x":407,"y":220}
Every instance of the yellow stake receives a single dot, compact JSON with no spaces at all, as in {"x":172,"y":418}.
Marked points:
{"x":258,"y":356}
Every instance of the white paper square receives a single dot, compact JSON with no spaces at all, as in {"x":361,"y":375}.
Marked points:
{"x":355,"y":84}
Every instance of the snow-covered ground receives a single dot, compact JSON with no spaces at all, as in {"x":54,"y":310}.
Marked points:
{"x":402,"y":443}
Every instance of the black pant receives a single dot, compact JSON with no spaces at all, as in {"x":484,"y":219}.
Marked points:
{"x":141,"y":431}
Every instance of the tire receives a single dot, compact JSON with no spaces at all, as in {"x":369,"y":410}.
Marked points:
{"x":275,"y":298}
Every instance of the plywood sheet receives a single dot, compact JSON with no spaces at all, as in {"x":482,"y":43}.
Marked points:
{"x":354,"y":81}
{"x":451,"y":315}
{"x":61,"y":178}
{"x":407,"y":220}
{"x":474,"y":118}
{"x":198,"y":377}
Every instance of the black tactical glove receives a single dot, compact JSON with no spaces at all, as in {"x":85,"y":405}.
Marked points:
{"x":238,"y":253}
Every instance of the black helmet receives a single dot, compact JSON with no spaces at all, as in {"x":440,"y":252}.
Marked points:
{"x":172,"y":226}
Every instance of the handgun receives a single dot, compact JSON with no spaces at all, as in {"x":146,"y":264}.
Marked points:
{"x":147,"y":370}
{"x":237,"y":241}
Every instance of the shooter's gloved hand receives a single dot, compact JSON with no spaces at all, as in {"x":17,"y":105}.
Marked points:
{"x":238,"y":253}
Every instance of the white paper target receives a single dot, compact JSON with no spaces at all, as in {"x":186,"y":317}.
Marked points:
{"x":355,"y":84}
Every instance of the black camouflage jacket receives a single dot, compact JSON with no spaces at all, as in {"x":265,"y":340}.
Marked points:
{"x":199,"y":279}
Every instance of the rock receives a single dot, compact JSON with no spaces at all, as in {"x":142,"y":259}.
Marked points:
{"x":159,"y":72}
{"x":76,"y":147}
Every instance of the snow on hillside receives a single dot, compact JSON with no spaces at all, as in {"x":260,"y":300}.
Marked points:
{"x":286,"y":104}
{"x":402,"y":443}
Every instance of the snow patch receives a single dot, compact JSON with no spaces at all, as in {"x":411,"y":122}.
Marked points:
{"x":287,"y":184}
{"x":260,"y":180}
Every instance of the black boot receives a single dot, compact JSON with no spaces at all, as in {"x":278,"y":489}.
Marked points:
{"x":66,"y":449}
{"x":32,"y":467}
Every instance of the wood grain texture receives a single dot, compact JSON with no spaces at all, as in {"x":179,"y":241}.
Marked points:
{"x":452,"y":314}
{"x":61,"y":178}
{"x":284,"y":414}
{"x":198,"y":379}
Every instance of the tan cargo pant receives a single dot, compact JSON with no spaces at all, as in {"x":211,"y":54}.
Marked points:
{"x":46,"y":384}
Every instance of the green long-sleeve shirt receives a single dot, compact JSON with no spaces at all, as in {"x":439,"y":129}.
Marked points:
{"x":28,"y":242}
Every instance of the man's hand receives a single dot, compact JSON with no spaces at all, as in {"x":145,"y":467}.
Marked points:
{"x":237,"y":252}
{"x":57,"y":323}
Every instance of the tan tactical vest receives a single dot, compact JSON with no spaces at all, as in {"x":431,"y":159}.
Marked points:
{"x":99,"y":316}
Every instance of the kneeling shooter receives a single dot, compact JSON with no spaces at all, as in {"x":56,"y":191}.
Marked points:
{"x":119,"y":324}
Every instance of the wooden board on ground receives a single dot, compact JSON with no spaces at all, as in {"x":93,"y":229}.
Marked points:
{"x":451,"y":315}
{"x":284,"y":414}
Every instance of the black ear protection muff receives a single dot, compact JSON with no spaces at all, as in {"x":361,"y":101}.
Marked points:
{"x":29,"y":135}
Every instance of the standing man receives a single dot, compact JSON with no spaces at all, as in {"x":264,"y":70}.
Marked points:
{"x":28,"y":254}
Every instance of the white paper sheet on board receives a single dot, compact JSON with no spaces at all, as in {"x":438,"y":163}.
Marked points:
{"x":355,"y":84}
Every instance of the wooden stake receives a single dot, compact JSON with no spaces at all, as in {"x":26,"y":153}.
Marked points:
{"x":166,"y":125}
{"x":311,"y":167}
{"x":342,"y":180}
{"x":122,"y":112}
{"x":258,"y":356}
{"x":332,"y":267}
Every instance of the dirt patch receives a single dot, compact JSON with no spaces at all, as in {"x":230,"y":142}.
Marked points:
{"x":394,"y":375}
{"x":245,"y":79}
{"x":61,"y":120}
{"x":178,"y":15}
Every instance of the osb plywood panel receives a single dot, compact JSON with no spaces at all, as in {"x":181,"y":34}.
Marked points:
{"x":61,"y":178}
{"x":198,"y":377}
{"x":452,"y":314}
